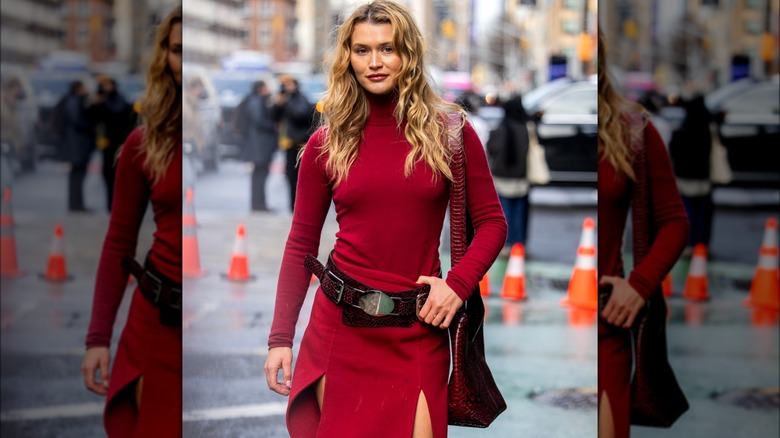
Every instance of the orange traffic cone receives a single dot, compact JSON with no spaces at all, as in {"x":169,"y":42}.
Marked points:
{"x":9,"y":267}
{"x":484,"y":285}
{"x":514,"y":279}
{"x":239,"y":263}
{"x":696,"y":283}
{"x":56,"y":269}
{"x":667,"y":285}
{"x":765,"y":288}
{"x":189,"y":239}
{"x":583,"y":285}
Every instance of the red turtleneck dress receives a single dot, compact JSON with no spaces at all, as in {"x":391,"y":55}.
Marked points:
{"x":389,"y":233}
{"x":671,"y":225}
{"x":146,"y":348}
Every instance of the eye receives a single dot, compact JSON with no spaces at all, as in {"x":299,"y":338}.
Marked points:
{"x":387,"y":49}
{"x":361,"y":50}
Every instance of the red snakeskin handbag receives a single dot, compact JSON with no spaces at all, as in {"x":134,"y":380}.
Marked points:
{"x":656,"y":398}
{"x":473,"y":397}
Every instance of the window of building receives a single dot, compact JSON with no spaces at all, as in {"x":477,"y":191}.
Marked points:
{"x":753,"y":27}
{"x":572,"y":4}
{"x":268,"y":8}
{"x":756,"y":4}
{"x":82,"y":35}
{"x":84,"y":8}
{"x":571,"y":27}
{"x":264,"y":34}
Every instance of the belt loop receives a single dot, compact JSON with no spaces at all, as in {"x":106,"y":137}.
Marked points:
{"x":339,"y":281}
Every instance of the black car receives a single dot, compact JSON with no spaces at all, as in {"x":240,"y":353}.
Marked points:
{"x":567,"y":123}
{"x":749,"y":128}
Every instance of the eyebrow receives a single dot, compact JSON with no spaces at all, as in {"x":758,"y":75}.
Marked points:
{"x":386,"y":43}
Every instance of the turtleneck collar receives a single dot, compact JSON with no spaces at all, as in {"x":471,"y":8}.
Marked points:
{"x":381,"y":107}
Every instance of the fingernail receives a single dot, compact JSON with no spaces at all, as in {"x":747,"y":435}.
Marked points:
{"x":289,"y":384}
{"x":105,"y":383}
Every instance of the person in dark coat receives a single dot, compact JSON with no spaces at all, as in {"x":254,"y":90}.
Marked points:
{"x":294,"y":114}
{"x":507,"y":150}
{"x":112,"y":110}
{"x":78,"y":142}
{"x":690,"y":149}
{"x":259,"y":138}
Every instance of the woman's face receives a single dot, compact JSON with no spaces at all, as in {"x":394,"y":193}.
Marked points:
{"x":373,"y":58}
{"x":174,"y":51}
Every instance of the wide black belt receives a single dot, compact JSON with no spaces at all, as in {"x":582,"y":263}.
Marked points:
{"x":380,"y":308}
{"x":157,"y":289}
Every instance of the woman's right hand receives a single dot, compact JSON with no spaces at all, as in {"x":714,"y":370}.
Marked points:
{"x":279,"y":358}
{"x":96,"y":358}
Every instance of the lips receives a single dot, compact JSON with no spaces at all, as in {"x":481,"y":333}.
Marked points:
{"x":376,"y":77}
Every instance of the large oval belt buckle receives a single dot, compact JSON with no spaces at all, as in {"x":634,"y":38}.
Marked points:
{"x":376,"y":303}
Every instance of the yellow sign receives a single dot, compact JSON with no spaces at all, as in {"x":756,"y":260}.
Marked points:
{"x":768,"y":51}
{"x":448,"y":28}
{"x":584,"y":47}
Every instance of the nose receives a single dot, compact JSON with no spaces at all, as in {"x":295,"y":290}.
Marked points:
{"x":375,"y":61}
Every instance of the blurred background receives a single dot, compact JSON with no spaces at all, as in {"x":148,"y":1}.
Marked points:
{"x":707,"y":72}
{"x":91,"y":57}
{"x":483,"y":55}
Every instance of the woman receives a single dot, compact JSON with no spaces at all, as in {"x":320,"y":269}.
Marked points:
{"x":144,"y":387}
{"x":616,"y":178}
{"x":382,"y":158}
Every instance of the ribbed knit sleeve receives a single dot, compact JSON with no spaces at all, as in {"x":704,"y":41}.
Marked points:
{"x":311,"y":207}
{"x":486,"y":215}
{"x":131,"y":196}
{"x":669,"y":219}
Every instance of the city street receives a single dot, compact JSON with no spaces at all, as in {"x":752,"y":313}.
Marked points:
{"x":542,"y":356}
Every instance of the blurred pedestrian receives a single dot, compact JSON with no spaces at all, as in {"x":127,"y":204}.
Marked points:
{"x":192,"y":129}
{"x":144,"y":390}
{"x":10,"y":130}
{"x":260,"y":139}
{"x":623,"y":298}
{"x":78,"y":142}
{"x":381,"y":157}
{"x":690,"y":148}
{"x":115,"y":113}
{"x":507,"y":151}
{"x":294,"y":114}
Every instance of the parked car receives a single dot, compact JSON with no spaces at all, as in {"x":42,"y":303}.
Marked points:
{"x":749,"y":128}
{"x":567,"y":123}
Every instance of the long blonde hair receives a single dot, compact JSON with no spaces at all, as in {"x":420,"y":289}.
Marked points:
{"x":614,"y":109}
{"x":160,"y":105}
{"x":345,"y":107}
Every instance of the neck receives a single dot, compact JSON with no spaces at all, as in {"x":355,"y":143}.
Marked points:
{"x":381,"y":107}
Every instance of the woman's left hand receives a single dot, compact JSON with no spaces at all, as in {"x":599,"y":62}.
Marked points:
{"x":624,"y":304}
{"x":441,"y":305}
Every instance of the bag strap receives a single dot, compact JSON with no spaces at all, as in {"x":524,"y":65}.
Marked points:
{"x":640,"y":203}
{"x":461,"y":230}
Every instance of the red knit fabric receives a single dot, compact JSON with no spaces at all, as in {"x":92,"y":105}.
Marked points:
{"x":131,"y":196}
{"x":389,"y":225}
{"x":669,"y":219}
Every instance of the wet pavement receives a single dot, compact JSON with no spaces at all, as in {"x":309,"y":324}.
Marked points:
{"x":535,"y":348}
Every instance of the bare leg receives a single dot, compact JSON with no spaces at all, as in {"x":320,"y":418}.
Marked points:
{"x":606,"y":422}
{"x":319,"y":391}
{"x":422,"y":419}
{"x":139,"y":389}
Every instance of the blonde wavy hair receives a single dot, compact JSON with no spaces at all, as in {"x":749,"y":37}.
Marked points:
{"x":345,"y":108}
{"x":160,"y":105}
{"x":614,"y":133}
